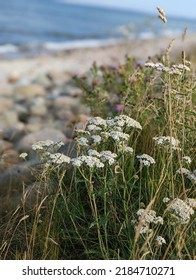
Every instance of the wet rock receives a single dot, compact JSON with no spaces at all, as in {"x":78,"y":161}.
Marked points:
{"x":13,"y":77}
{"x":67,"y":103}
{"x":8,"y":118}
{"x":14,"y":177}
{"x":44,"y":134}
{"x":13,"y":134}
{"x":9,"y":158}
{"x":70,"y":90}
{"x":38,"y":107}
{"x":65,"y":115}
{"x":22,"y":111}
{"x":5,"y":104}
{"x":5,"y":145}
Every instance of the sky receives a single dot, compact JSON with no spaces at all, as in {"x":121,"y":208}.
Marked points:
{"x":180,"y":8}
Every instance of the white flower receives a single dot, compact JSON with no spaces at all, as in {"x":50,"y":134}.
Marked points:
{"x":187,"y":173}
{"x":181,"y":209}
{"x":41,"y":145}
{"x":123,"y":121}
{"x":108,"y":156}
{"x":59,"y":158}
{"x":126,"y":149}
{"x":76,"y":162}
{"x":192,"y":202}
{"x":118,"y":135}
{"x":96,"y":138}
{"x":181,"y":67}
{"x":90,"y":161}
{"x":97,"y":121}
{"x":167,"y":141}
{"x":82,"y":141}
{"x":59,"y":144}
{"x":166,"y":199}
{"x":187,"y":159}
{"x":93,"y":153}
{"x":145,"y":218}
{"x":23,"y":155}
{"x":93,"y":127}
{"x":146,"y":159}
{"x":160,"y":240}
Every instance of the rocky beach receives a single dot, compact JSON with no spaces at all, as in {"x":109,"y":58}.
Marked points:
{"x":39,"y":100}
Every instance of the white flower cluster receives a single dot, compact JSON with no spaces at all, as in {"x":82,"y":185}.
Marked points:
{"x":167,"y":141}
{"x":103,"y":131}
{"x":187,"y":159}
{"x":119,"y":136}
{"x":58,"y":158}
{"x":173,"y":70}
{"x":44,"y":145}
{"x":192,"y":202}
{"x":123,"y":121}
{"x":160,"y":240}
{"x":23,"y":155}
{"x":97,"y":121}
{"x":108,"y":156}
{"x":181,"y":210}
{"x":90,"y":161}
{"x":166,"y":199}
{"x":126,"y":149}
{"x":99,"y":130}
{"x":191,"y":176}
{"x":145,"y":159}
{"x":82,"y":141}
{"x":146,"y":217}
{"x":104,"y":156}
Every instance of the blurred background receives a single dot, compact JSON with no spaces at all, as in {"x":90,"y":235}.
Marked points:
{"x":30,"y":27}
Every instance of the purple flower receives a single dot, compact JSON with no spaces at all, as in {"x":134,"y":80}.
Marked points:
{"x":118,"y":107}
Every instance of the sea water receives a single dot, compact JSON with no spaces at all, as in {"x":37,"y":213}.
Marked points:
{"x":33,"y":26}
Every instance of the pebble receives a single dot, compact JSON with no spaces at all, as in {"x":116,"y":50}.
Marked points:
{"x":29,"y":91}
{"x":27,"y":141}
{"x":32,"y":110}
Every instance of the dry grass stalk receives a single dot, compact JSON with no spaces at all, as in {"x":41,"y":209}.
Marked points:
{"x":162,"y":14}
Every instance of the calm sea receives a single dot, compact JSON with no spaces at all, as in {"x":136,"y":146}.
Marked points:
{"x":32,"y":26}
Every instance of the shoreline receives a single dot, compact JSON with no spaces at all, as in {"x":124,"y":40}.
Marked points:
{"x":79,"y":60}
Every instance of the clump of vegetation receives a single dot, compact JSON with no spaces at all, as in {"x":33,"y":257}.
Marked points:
{"x":129,"y":193}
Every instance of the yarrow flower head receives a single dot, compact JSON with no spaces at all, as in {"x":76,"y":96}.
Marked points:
{"x":108,"y":156}
{"x":145,"y":159}
{"x":96,"y":138}
{"x":41,"y":145}
{"x":23,"y":155}
{"x":97,"y":121}
{"x":82,"y":141}
{"x":160,"y":240}
{"x":181,"y":210}
{"x":166,"y":199}
{"x":189,"y":175}
{"x":187,"y":159}
{"x":58,"y":159}
{"x":145,"y":218}
{"x":90,"y":161}
{"x":123,"y":121}
{"x":167,"y":141}
{"x":192,"y":202}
